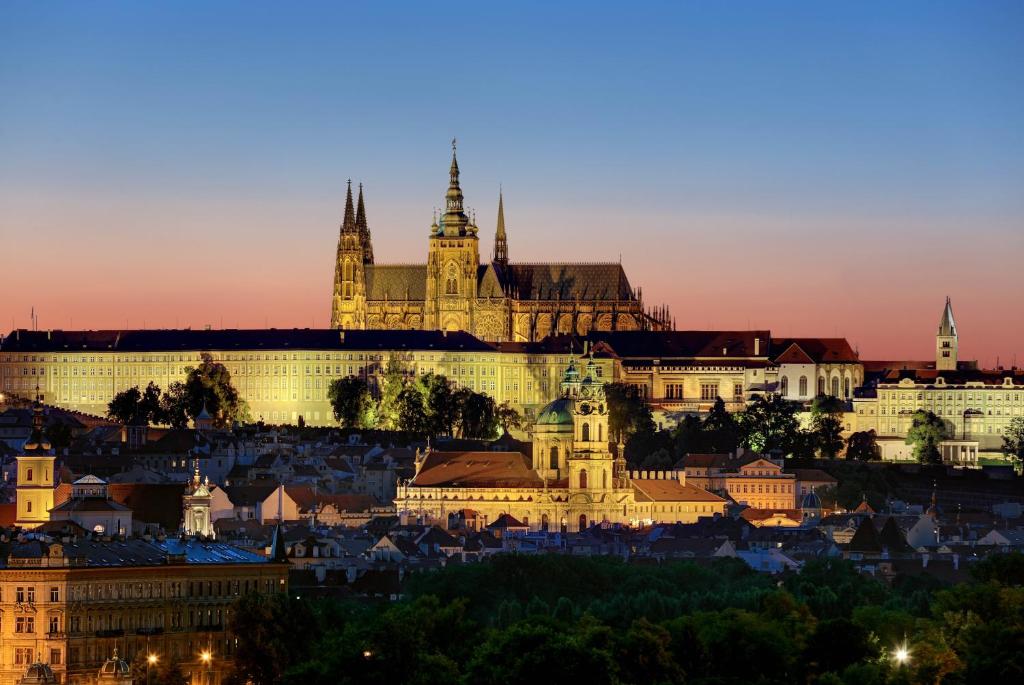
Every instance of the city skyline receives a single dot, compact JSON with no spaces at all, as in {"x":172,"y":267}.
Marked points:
{"x":837,"y":187}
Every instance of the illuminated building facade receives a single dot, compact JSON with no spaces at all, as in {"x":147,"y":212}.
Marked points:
{"x":497,"y":300}
{"x":571,"y":482}
{"x":72,"y":604}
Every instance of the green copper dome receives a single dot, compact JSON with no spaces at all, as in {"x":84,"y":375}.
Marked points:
{"x":556,"y":413}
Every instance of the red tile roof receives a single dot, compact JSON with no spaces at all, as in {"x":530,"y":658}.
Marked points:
{"x":671,"y":490}
{"x":477,"y":469}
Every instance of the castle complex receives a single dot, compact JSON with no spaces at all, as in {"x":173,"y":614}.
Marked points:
{"x":495,"y":301}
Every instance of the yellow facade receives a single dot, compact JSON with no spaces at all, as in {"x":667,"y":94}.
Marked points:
{"x":35,"y":490}
{"x":73,"y":616}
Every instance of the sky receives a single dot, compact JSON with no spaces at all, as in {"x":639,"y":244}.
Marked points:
{"x":818,"y":169}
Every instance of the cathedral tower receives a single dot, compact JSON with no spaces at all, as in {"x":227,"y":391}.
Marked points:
{"x":452,"y":263}
{"x":348,"y":305}
{"x":946,"y":341}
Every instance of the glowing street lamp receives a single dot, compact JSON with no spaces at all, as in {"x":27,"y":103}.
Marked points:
{"x":367,"y":654}
{"x":901,"y":655}
{"x":150,"y":663}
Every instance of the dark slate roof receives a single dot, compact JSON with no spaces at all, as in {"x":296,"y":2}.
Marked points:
{"x":819,"y":350}
{"x":139,"y":552}
{"x":587,"y":282}
{"x":172,"y":340}
{"x":682,"y":344}
{"x":959,"y":377}
{"x":396,"y":281}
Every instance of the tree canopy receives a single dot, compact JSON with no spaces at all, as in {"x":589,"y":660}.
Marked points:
{"x":926,"y":431}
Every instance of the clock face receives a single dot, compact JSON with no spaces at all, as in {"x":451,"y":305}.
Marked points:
{"x":585,"y":408}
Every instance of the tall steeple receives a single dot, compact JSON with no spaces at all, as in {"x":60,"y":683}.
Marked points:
{"x":454,"y":221}
{"x":500,"y":239}
{"x":363,"y":228}
{"x":946,"y":341}
{"x":348,"y":224}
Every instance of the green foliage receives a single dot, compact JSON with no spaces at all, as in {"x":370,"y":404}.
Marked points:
{"x":628,"y":412}
{"x":207,"y":385}
{"x":863,"y":446}
{"x":273,"y":631}
{"x":926,"y":432}
{"x":769,"y":423}
{"x":350,"y":398}
{"x":477,"y":415}
{"x":552,"y":618}
{"x":826,"y":426}
{"x":1013,"y":441}
{"x":412,"y":411}
{"x":134,"y":407}
{"x":508,"y":418}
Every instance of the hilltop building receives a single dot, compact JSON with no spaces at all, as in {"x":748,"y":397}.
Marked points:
{"x":497,"y":300}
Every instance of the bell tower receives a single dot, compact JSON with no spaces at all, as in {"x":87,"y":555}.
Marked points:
{"x":452,"y":263}
{"x":36,"y":478}
{"x":590,"y":463}
{"x":946,"y":341}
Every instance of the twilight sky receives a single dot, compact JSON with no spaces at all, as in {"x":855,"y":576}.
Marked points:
{"x":813,"y":168}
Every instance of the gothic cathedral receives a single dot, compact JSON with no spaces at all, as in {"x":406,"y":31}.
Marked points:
{"x":496,"y":301}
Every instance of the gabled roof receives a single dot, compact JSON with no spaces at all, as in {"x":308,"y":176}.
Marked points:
{"x":865,"y":538}
{"x":818,"y":350}
{"x":477,"y":469}
{"x":671,"y":490}
{"x":504,"y":522}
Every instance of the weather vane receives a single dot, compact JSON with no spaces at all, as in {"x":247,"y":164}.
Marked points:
{"x":453,"y":145}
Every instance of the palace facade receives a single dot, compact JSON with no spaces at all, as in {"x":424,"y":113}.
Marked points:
{"x":497,"y":300}
{"x":976,"y":405}
{"x":571,"y":482}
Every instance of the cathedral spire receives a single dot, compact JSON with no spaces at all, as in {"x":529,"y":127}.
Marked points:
{"x":348,"y":225}
{"x":363,"y":228}
{"x":500,"y":239}
{"x":454,"y":221}
{"x":947,"y":326}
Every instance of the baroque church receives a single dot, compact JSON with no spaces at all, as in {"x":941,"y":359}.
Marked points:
{"x":569,"y":483}
{"x":496,"y":301}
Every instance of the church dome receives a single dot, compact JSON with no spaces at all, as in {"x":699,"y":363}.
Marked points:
{"x":557,"y":413}
{"x":811,"y":501}
{"x":38,"y":673}
{"x":115,"y":668}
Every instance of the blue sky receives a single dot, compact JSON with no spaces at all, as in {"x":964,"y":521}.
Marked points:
{"x":713,"y":145}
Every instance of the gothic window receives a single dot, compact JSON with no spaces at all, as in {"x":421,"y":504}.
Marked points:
{"x":451,"y":286}
{"x":583,"y":478}
{"x":583,"y":522}
{"x":586,"y":432}
{"x":544,"y":522}
{"x":835,"y":387}
{"x":784,"y":386}
{"x":846,"y":388}
{"x":821,"y":385}
{"x":803,"y":386}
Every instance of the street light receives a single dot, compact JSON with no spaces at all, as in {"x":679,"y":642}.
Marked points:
{"x":205,"y":657}
{"x":901,"y":655}
{"x":150,"y":662}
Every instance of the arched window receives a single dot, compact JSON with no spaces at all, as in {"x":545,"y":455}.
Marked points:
{"x":583,"y":478}
{"x":544,"y":522}
{"x":803,"y":386}
{"x":451,"y":287}
{"x":583,"y":522}
{"x":821,"y":385}
{"x":553,"y":458}
{"x":586,"y":432}
{"x":835,"y":387}
{"x":846,"y":388}
{"x":784,"y":386}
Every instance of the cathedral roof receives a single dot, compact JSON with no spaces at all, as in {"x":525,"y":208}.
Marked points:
{"x":396,"y":281}
{"x":588,"y":282}
{"x":477,"y":469}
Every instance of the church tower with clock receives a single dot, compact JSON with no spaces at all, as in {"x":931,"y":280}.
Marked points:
{"x":590,"y":463}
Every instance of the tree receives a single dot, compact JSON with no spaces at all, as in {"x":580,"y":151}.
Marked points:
{"x":165,"y":671}
{"x":769,"y":423}
{"x":207,"y":385}
{"x":827,"y":425}
{"x":720,"y":432}
{"x":392,"y":382}
{"x":478,"y":415}
{"x":351,"y":401}
{"x":926,"y":432}
{"x":273,"y":632}
{"x":508,"y":417}
{"x":412,"y":411}
{"x":1013,"y":441}
{"x":628,"y":413}
{"x":133,"y":407}
{"x":863,"y":446}
{"x":442,"y":404}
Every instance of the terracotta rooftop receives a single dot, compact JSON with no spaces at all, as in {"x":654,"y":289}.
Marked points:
{"x":477,"y":469}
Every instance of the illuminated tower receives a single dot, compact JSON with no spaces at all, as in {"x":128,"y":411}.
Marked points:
{"x":196,"y":506}
{"x":946,"y":341}
{"x":452,"y":263}
{"x":35,"y":475}
{"x":500,"y":239}
{"x":348,"y":304}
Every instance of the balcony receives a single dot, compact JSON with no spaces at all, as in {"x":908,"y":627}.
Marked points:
{"x":112,"y":632}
